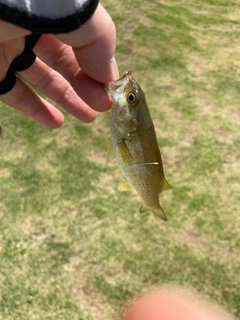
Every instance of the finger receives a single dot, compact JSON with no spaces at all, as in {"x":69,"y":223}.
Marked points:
{"x":57,"y":55}
{"x":8,"y":51}
{"x":9,"y":31}
{"x":54,"y":86}
{"x":169,"y":304}
{"x":61,"y":58}
{"x":22,"y":98}
{"x":94,"y":46}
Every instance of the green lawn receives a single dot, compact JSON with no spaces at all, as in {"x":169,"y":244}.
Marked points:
{"x":71,"y":245}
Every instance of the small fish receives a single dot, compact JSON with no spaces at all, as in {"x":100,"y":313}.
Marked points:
{"x":134,"y":144}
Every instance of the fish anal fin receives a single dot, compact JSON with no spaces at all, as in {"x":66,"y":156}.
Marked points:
{"x":143,"y":209}
{"x":124,"y":186}
{"x":157,"y":211}
{"x":110,"y":153}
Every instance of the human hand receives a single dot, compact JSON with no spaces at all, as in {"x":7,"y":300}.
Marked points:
{"x":69,"y":69}
{"x":173,"y":304}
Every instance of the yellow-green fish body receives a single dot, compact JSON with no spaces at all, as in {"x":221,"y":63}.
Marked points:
{"x":134,"y":143}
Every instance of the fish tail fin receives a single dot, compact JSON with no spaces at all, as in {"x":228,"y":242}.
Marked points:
{"x":157,"y":211}
{"x":160,"y":213}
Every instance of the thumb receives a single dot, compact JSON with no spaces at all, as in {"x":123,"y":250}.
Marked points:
{"x":94,"y":46}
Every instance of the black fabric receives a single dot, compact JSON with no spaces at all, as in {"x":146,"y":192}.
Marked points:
{"x":44,"y":25}
{"x":20,"y":63}
{"x":39,"y":25}
{"x":32,"y":39}
{"x":24,"y":61}
{"x":27,"y":57}
{"x":8,"y":83}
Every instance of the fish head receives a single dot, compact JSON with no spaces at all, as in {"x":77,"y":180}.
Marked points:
{"x":128,"y":103}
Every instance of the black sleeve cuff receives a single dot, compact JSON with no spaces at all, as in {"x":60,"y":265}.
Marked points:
{"x":42,"y":25}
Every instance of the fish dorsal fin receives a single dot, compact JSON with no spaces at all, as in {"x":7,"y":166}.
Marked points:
{"x":110,"y":153}
{"x":124,"y":186}
{"x":166,"y":186}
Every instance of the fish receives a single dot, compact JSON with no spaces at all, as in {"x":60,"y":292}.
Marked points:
{"x":134,"y":144}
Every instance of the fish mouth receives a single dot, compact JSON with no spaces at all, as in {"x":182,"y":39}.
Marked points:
{"x":126,"y":74}
{"x":117,"y":87}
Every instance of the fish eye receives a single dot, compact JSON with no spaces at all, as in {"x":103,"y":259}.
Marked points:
{"x":132,"y":98}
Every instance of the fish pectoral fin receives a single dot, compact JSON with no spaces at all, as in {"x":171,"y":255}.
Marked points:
{"x":110,"y":153}
{"x":157,"y":211}
{"x":125,"y":152}
{"x":124,"y":186}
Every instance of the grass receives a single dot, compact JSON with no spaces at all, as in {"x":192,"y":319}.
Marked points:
{"x":71,"y":245}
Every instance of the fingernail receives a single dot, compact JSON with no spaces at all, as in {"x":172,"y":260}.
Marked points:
{"x":114,"y":68}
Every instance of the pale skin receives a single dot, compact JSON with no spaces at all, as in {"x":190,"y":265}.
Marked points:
{"x":69,"y":69}
{"x":173,"y":304}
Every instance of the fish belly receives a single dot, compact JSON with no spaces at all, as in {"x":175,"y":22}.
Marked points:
{"x":145,"y":180}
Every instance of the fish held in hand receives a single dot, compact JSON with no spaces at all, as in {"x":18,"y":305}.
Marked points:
{"x":134,"y":144}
